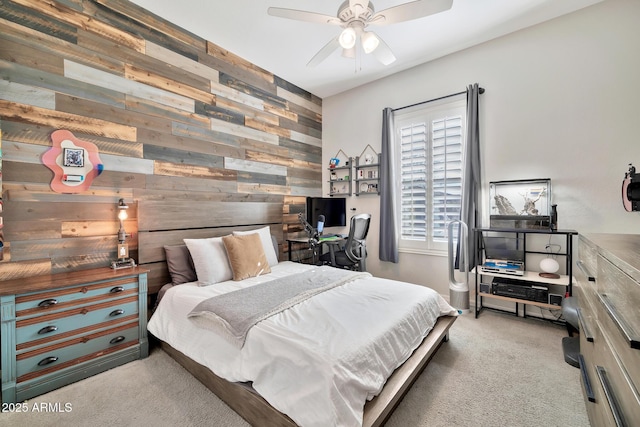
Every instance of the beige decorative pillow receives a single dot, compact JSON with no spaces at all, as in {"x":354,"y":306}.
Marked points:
{"x":267,"y":244}
{"x":246,"y":256}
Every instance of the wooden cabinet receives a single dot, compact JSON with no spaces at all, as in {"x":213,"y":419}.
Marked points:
{"x":552,"y":290}
{"x":608,"y":291}
{"x":58,"y":329}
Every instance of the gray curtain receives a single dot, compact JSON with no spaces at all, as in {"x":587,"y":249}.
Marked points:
{"x":388,"y":192}
{"x":469,"y":213}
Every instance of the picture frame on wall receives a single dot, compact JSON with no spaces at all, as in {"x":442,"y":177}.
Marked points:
{"x":73,"y":157}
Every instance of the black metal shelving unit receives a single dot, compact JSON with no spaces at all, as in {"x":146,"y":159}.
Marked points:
{"x":529,"y":276}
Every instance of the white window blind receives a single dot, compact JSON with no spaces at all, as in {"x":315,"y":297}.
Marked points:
{"x":431,"y":148}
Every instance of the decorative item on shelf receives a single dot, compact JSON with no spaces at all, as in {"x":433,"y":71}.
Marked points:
{"x":75,"y":163}
{"x":333,"y":176}
{"x":369,"y":155}
{"x":549,"y":265}
{"x":123,"y":260}
{"x":337,"y":159}
{"x":521,"y":204}
{"x":631,"y":190}
{"x":554,"y":217}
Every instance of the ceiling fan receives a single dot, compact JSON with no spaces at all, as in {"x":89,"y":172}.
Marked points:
{"x":354,"y":16}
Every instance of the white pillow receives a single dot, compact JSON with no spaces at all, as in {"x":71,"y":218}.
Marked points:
{"x":210,"y":260}
{"x":267,"y":244}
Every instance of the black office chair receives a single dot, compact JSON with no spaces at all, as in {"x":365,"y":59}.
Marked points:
{"x":571,"y":344}
{"x":353,"y":254}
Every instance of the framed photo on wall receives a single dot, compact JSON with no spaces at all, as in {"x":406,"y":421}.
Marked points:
{"x":73,"y":157}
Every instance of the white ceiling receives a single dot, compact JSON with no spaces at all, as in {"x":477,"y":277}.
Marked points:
{"x":284,"y":46}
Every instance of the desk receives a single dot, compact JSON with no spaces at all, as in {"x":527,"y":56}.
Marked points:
{"x":298,"y":240}
{"x":331,"y":242}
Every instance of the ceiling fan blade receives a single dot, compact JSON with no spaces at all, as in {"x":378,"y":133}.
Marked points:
{"x":301,"y":15}
{"x":324,"y":52}
{"x":408,"y":11}
{"x":383,"y":53}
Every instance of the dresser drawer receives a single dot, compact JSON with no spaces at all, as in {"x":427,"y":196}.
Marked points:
{"x":32,"y":331}
{"x":587,"y":271}
{"x":59,"y":299}
{"x":617,"y":311}
{"x":620,"y":395}
{"x":588,"y":257}
{"x":34,"y":363}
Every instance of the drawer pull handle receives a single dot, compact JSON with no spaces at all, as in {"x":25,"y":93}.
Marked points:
{"x":584,"y":327}
{"x":627,"y":331}
{"x":47,"y":360}
{"x":116,"y":290}
{"x":588,"y":389}
{"x":117,"y":312}
{"x":611,"y":398}
{"x":117,"y":339}
{"x":47,"y":330}
{"x":582,"y":267}
{"x":48,"y":302}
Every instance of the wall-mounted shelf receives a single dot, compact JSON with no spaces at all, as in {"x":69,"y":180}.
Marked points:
{"x":340,"y":179}
{"x":367,"y":174}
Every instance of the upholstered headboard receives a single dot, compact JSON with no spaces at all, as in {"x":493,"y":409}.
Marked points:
{"x":168,"y":222}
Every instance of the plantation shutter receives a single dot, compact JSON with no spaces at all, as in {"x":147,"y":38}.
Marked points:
{"x":431,"y":177}
{"x":414,"y":181}
{"x":447,"y":173}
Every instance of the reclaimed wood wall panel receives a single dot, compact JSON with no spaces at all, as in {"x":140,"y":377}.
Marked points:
{"x":178,"y":121}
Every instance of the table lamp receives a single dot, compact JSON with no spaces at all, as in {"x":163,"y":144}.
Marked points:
{"x":123,"y":260}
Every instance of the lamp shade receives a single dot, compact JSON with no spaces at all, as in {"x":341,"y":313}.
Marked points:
{"x":348,"y":38}
{"x":369,"y":42}
{"x":549,"y":265}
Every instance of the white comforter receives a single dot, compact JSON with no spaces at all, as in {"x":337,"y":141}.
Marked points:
{"x":319,"y":361}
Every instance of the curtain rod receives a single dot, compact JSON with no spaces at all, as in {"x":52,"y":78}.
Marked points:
{"x":481,"y":91}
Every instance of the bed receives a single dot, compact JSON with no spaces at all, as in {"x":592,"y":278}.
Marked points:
{"x":331,"y":359}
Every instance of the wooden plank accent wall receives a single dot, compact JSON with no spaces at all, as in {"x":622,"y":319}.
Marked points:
{"x":176,"y":119}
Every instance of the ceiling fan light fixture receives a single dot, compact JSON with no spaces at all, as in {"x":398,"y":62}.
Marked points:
{"x":349,"y":53}
{"x":369,"y":41}
{"x":348,"y":38}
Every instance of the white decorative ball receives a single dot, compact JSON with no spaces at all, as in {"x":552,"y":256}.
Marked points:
{"x":549,"y":265}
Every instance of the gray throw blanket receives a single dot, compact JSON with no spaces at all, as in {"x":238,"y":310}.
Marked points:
{"x":233,"y":314}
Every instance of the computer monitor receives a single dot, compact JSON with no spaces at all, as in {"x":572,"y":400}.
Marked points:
{"x":334,"y":210}
{"x":503,"y":248}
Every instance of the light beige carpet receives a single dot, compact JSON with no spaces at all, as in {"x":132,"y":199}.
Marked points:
{"x":497,"y":370}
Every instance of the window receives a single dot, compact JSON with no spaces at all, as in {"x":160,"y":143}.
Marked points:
{"x":430,"y":144}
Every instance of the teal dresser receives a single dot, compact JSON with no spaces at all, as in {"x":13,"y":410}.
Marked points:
{"x":58,"y":329}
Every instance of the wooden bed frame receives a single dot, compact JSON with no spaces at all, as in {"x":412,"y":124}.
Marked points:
{"x":168,"y":222}
{"x":257,"y":411}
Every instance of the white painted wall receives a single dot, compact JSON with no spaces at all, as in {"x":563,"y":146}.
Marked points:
{"x":561,"y":102}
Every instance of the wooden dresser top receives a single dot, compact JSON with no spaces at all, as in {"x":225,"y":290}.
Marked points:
{"x":621,"y":249}
{"x":51,"y":281}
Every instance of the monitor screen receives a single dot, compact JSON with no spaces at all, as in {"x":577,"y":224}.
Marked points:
{"x":333,"y":209}
{"x":504,"y":248}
